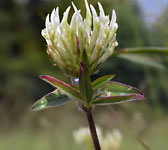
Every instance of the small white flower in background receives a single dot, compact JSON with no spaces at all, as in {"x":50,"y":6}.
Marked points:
{"x":82,"y":136}
{"x":110,"y":141}
{"x":67,"y":41}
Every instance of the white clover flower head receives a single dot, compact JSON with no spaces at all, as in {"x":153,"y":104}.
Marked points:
{"x":82,"y":135}
{"x":66,"y":41}
{"x":109,"y":141}
{"x":112,"y":141}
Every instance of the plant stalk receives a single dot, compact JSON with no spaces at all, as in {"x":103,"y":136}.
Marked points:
{"x":92,"y":127}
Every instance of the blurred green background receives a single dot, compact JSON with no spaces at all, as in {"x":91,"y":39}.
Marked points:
{"x":143,"y":124}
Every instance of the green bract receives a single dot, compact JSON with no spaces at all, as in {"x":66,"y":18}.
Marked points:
{"x":99,"y":92}
{"x":67,"y":41}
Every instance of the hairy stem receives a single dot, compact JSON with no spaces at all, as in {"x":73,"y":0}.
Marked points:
{"x":92,"y":127}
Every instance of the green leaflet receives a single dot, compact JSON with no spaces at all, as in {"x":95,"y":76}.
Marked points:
{"x":52,"y":99}
{"x":116,"y":88}
{"x":150,"y":56}
{"x":114,"y":92}
{"x":143,"y":50}
{"x":85,"y":85}
{"x":63,"y":87}
{"x":102,"y":81}
{"x":118,"y":99}
{"x":85,"y":59}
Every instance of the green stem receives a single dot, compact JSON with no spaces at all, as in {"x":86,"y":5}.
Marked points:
{"x":92,"y":127}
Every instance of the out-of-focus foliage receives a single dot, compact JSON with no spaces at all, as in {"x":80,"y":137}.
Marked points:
{"x":160,"y":30}
{"x":23,"y":56}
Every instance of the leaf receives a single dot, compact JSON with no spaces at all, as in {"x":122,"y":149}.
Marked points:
{"x":52,"y":99}
{"x":85,"y":85}
{"x":116,"y":88}
{"x":63,"y":87}
{"x":150,"y":56}
{"x":117,"y":99}
{"x":102,"y":81}
{"x":85,"y":59}
{"x":144,"y":60}
{"x":115,"y":92}
{"x":143,"y":50}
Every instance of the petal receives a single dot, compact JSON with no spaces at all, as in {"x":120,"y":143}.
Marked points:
{"x":75,"y":9}
{"x":88,"y":19}
{"x":101,"y":10}
{"x":57,"y":19}
{"x":113,"y":19}
{"x":87,"y":7}
{"x":93,"y":12}
{"x":73,"y":20}
{"x":107,"y":54}
{"x":53,"y":17}
{"x":47,"y":21}
{"x":65,"y":15}
{"x":43,"y":33}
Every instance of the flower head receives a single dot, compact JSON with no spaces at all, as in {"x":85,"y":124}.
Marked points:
{"x":112,"y":140}
{"x":82,"y":135}
{"x":96,"y":35}
{"x":109,"y":141}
